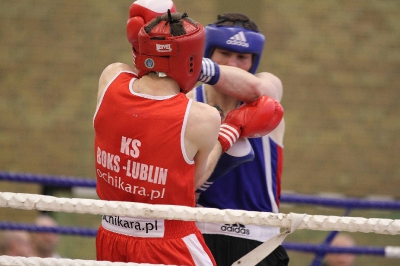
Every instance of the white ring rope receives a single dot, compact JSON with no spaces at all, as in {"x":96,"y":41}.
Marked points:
{"x":172,"y":212}
{"x":35,"y":261}
{"x":392,"y":252}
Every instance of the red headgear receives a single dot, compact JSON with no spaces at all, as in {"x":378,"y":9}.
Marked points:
{"x":179,"y":57}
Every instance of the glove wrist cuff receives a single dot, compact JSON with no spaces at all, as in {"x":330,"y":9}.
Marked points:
{"x":209,"y":72}
{"x":227,"y":136}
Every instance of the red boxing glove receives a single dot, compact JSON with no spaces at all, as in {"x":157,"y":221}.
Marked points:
{"x":251,"y":120}
{"x":141,"y":12}
{"x":149,"y":9}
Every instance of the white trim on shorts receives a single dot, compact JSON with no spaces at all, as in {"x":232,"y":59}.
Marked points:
{"x":199,"y":255}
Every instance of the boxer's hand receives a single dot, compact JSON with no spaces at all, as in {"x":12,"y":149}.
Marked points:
{"x":141,"y":12}
{"x":149,"y":9}
{"x":252,"y":120}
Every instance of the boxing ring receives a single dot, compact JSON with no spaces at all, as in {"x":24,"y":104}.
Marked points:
{"x":331,"y":224}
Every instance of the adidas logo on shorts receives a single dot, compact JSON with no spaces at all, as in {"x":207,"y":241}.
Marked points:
{"x":236,"y":228}
{"x":238,"y":39}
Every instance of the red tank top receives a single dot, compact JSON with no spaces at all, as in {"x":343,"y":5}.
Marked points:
{"x":139,"y":146}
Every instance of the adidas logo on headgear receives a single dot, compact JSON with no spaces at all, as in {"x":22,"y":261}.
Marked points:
{"x":238,"y":39}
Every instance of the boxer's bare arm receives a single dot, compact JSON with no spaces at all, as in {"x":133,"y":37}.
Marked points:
{"x":238,"y":83}
{"x":247,"y":87}
{"x":212,"y":161}
{"x":201,"y":138}
{"x":205,"y":171}
{"x":109,"y":73}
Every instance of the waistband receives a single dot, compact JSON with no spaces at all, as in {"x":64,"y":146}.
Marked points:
{"x":255,"y":232}
{"x":148,"y":228}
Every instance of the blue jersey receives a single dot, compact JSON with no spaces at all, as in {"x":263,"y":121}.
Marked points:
{"x":251,"y":186}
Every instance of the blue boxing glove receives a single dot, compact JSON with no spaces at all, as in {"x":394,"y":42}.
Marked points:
{"x":240,"y":152}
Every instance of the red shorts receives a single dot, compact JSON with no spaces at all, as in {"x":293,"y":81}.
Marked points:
{"x":126,"y":239}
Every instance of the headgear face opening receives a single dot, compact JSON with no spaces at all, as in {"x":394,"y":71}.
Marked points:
{"x":235,"y":39}
{"x":179,"y":57}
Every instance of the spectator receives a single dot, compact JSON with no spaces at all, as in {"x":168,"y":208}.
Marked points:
{"x":45,"y":243}
{"x":16,"y":243}
{"x":341,"y":259}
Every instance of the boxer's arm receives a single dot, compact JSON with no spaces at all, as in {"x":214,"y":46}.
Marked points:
{"x":203,"y":126}
{"x":247,"y":87}
{"x":240,"y":84}
{"x":109,"y":73}
{"x":267,"y":84}
{"x":212,"y":161}
{"x":254,"y":119}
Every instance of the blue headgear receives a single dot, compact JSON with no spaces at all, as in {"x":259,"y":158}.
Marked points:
{"x":234,"y":39}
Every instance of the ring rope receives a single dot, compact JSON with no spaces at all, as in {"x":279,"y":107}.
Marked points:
{"x":388,"y":251}
{"x":64,"y":181}
{"x":58,"y":181}
{"x":62,"y":230}
{"x":172,"y":212}
{"x":340,"y":202}
{"x":32,"y":261}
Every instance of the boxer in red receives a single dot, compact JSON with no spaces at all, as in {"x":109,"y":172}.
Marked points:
{"x":152,"y":143}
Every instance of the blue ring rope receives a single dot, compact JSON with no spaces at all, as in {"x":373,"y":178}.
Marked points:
{"x":91,"y":232}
